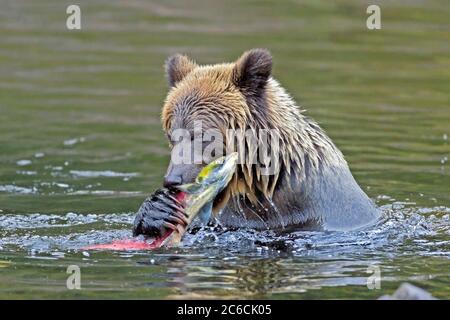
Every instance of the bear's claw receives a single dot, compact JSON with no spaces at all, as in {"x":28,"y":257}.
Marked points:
{"x":159,"y":213}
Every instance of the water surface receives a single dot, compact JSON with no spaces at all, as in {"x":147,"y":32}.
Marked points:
{"x":81,"y":145}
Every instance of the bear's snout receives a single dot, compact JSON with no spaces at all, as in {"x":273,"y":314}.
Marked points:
{"x":172,"y":180}
{"x":178,"y":174}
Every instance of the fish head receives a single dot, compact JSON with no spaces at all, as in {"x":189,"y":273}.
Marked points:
{"x":210,"y":182}
{"x":214,"y":177}
{"x":160,"y":213}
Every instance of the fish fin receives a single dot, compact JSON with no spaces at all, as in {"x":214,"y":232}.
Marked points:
{"x":205,"y":213}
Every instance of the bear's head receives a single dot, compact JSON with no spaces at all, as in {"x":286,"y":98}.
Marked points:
{"x":219,"y":97}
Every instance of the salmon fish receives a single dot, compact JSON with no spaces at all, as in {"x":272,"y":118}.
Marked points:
{"x":183,"y":204}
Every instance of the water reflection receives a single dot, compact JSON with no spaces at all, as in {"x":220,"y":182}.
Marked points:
{"x":411,"y":244}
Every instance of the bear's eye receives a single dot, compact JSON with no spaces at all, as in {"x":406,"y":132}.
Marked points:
{"x":172,"y":141}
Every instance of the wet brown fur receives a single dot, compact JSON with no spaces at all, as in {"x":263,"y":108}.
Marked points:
{"x":243,"y":95}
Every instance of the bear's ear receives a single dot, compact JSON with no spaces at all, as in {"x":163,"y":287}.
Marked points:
{"x":252,"y":70}
{"x":177,"y":67}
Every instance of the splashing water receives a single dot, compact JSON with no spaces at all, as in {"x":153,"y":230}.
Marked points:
{"x":83,"y":105}
{"x":219,"y":262}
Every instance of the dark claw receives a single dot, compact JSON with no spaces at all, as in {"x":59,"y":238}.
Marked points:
{"x":177,"y":220}
{"x":169,"y":225}
{"x":183,"y":216}
{"x":159,"y":213}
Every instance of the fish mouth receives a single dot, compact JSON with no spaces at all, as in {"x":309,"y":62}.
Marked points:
{"x":226,"y":171}
{"x":213,"y":179}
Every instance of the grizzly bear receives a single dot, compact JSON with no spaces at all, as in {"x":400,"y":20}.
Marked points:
{"x":311,"y":188}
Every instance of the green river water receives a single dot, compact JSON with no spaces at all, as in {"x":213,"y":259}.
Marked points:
{"x":81,"y":145}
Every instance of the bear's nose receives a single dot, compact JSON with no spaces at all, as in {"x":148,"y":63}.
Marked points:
{"x":172,"y":180}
